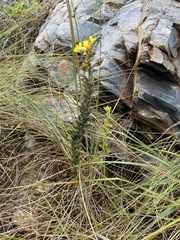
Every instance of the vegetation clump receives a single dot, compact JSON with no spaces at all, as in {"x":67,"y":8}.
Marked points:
{"x":20,"y":9}
{"x":83,"y":120}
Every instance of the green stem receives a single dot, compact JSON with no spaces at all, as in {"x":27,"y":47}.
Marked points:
{"x":82,"y":122}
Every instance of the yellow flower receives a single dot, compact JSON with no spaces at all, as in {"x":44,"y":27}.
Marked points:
{"x":92,"y":40}
{"x":79,"y":48}
{"x":86,"y":46}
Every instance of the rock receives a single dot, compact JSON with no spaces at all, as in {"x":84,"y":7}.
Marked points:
{"x":62,"y":71}
{"x":7,"y":1}
{"x":64,"y":110}
{"x":83,"y":31}
{"x":128,"y":23}
{"x":157,"y":103}
{"x":156,"y":80}
{"x":56,"y":31}
{"x":140,"y":59}
{"x":86,"y":9}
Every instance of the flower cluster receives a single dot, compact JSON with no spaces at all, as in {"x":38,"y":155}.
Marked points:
{"x":85,"y":46}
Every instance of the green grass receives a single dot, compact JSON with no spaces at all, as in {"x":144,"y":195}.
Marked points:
{"x":114,"y":196}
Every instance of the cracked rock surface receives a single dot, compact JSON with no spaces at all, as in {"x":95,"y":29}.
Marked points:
{"x":139,"y":43}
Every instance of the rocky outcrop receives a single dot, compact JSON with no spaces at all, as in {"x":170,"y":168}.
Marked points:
{"x":137,"y":52}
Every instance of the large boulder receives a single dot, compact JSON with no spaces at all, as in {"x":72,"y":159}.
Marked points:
{"x":137,"y":51}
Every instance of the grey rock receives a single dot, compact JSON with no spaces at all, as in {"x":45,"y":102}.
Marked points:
{"x":128,"y":23}
{"x":160,"y":36}
{"x":7,"y":1}
{"x":64,"y":110}
{"x":157,"y":101}
{"x":62,"y":71}
{"x":83,"y":30}
{"x":174,"y":43}
{"x":137,"y":53}
{"x":56,"y":31}
{"x":86,"y":9}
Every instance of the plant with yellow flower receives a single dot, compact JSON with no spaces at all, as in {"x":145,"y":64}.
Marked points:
{"x":85,"y":46}
{"x":83,"y":119}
